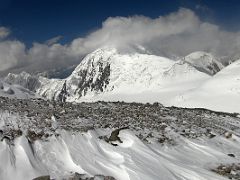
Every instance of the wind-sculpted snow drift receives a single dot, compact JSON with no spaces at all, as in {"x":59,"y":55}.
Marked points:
{"x":84,"y":153}
{"x":120,"y":140}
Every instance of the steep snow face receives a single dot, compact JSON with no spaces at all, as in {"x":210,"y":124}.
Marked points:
{"x":15,"y":91}
{"x":221,"y":92}
{"x":50,"y":88}
{"x":204,"y":62}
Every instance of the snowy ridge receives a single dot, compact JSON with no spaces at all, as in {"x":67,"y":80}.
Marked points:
{"x":204,"y":62}
{"x":183,"y":71}
{"x":23,"y":79}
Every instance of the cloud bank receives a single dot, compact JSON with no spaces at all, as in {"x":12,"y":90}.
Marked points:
{"x":176,"y":34}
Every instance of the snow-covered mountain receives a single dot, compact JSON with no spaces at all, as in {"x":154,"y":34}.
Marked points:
{"x":108,"y":75}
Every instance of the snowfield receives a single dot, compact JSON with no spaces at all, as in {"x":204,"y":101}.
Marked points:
{"x":221,"y":93}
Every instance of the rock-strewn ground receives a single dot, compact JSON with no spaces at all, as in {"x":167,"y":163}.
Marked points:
{"x":39,"y":119}
{"x":45,"y":116}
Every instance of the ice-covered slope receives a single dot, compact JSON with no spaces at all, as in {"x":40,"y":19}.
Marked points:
{"x":36,"y":84}
{"x":204,"y":62}
{"x":23,"y":79}
{"x":221,"y":92}
{"x":15,"y":91}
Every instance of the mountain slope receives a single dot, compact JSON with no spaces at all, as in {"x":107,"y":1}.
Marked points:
{"x":106,"y":74}
{"x":135,"y":77}
{"x":106,"y":70}
{"x":204,"y":62}
{"x":15,"y":91}
{"x":23,"y":79}
{"x":221,"y":92}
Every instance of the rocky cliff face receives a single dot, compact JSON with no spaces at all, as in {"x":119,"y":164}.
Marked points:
{"x":95,"y":80}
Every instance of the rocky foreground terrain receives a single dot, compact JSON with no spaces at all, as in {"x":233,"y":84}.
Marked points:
{"x":40,"y":120}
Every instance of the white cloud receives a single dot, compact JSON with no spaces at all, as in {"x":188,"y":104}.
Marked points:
{"x":12,"y":53}
{"x":4,"y":32}
{"x":121,"y":31}
{"x":178,"y":33}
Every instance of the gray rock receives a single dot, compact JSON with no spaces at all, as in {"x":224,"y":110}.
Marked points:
{"x":1,"y":85}
{"x":43,"y":178}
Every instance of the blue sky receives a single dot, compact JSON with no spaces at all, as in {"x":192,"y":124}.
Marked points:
{"x":40,"y":20}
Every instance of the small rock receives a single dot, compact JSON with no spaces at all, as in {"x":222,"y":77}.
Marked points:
{"x":228,"y":135}
{"x":211,"y":135}
{"x":43,"y":178}
{"x":114,"y":135}
{"x":231,"y":155}
{"x":1,"y":85}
